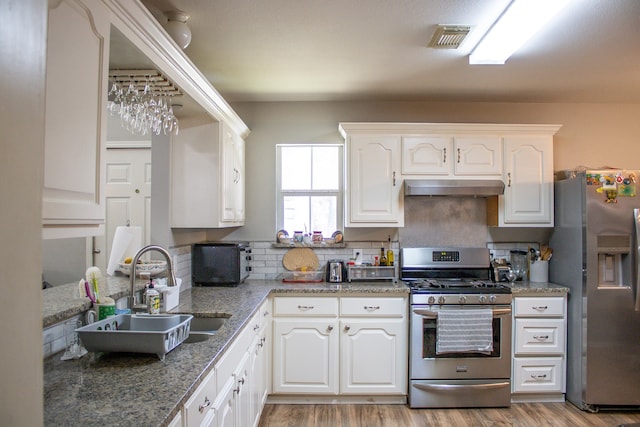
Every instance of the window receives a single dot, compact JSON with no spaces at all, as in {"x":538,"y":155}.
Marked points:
{"x":309,"y":188}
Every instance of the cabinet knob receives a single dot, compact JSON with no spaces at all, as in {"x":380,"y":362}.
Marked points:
{"x":330,"y":328}
{"x":346,"y":328}
{"x":509,"y":176}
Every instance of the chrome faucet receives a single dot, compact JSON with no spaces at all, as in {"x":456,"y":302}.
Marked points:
{"x":171,"y":278}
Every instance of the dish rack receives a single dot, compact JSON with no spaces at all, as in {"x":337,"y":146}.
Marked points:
{"x":368,"y":273}
{"x":136,"y":333}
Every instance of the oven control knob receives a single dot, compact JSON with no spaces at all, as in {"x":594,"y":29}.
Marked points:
{"x":482,"y":299}
{"x":441,"y":300}
{"x":492,"y":299}
{"x":462,"y":299}
{"x":431,"y":300}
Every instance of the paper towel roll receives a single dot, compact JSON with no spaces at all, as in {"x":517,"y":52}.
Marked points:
{"x":126,"y":242}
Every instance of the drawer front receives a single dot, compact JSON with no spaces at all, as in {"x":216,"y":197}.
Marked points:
{"x":305,"y":306}
{"x":539,"y":306}
{"x":373,"y":307}
{"x":538,"y":374}
{"x":539,"y":336}
{"x":199,"y":407}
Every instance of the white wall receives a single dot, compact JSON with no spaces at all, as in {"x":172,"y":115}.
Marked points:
{"x":592,"y":134}
{"x":23,"y":25}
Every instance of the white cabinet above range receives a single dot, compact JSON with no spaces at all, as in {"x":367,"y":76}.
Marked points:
{"x":457,"y":155}
{"x":519,"y":155}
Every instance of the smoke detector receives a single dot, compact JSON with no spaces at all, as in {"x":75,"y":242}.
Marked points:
{"x":449,"y":36}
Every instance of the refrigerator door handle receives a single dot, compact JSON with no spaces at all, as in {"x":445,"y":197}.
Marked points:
{"x":636,"y":221}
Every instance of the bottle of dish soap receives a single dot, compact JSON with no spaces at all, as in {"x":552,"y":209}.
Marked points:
{"x":153,"y":299}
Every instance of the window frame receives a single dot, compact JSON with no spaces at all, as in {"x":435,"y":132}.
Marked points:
{"x":281,"y":194}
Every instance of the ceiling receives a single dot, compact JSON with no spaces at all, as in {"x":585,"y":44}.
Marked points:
{"x":309,"y":50}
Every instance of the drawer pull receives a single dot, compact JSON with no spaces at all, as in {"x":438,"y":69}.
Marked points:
{"x":206,"y":404}
{"x":540,"y":307}
{"x":538,"y":377}
{"x":305,"y":307}
{"x":541,"y":337}
{"x":372,"y":307}
{"x":256,"y":327}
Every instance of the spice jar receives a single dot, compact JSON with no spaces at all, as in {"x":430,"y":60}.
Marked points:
{"x":317,"y":237}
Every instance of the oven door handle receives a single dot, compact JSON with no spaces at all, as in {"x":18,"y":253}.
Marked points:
{"x":430,"y":314}
{"x":455,"y":387}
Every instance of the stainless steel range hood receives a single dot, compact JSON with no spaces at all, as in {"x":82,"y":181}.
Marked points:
{"x":453,"y":187}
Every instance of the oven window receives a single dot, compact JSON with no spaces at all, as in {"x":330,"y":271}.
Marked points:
{"x":429,"y":334}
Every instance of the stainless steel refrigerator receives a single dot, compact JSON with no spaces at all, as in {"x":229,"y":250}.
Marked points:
{"x":596,"y":254}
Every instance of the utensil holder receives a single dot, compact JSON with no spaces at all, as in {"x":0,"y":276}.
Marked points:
{"x":539,"y":271}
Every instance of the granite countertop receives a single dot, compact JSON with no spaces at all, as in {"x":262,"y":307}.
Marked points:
{"x":539,"y":289}
{"x":142,"y":390}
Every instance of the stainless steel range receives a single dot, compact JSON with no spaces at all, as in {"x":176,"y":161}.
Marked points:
{"x":460,"y":338}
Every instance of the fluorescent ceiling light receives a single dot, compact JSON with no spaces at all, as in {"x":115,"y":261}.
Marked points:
{"x":521,"y":20}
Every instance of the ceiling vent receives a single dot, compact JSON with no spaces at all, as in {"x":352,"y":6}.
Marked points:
{"x":449,"y":36}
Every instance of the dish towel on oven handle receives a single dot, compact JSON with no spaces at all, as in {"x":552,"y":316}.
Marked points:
{"x":465,"y":331}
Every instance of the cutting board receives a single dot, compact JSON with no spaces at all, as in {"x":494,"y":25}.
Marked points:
{"x":300,"y":259}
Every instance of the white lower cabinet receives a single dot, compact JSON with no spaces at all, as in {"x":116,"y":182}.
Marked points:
{"x":372,"y":356}
{"x":233,"y":394}
{"x":340,"y":345}
{"x":539,"y":348}
{"x":198,"y":411}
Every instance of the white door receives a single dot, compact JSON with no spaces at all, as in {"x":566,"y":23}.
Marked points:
{"x":374,"y":190}
{"x":128,"y":197}
{"x":373,"y":356}
{"x":528,"y":196}
{"x":305,"y":356}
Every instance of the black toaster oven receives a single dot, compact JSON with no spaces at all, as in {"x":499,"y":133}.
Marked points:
{"x":220,"y":263}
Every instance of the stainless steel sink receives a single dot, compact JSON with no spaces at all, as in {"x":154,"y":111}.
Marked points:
{"x":203,"y":328}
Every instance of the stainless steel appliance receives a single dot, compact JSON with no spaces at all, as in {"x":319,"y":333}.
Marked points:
{"x":336,"y":271}
{"x":456,"y":280}
{"x":595,"y":254}
{"x":220,"y":263}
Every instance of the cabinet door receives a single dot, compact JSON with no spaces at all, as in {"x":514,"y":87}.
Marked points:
{"x":528,"y":196}
{"x":478,"y":155}
{"x":373,"y":358}
{"x":75,"y":119}
{"x":224,"y":407}
{"x":198,"y":411}
{"x":305,"y":356}
{"x":243,"y":379}
{"x":426,"y":155}
{"x":232,"y":182}
{"x":374,"y":186}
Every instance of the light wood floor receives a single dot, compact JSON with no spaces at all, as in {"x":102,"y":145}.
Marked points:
{"x":519,"y":414}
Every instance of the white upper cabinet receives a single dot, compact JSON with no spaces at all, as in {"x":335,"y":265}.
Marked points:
{"x":426,"y":154}
{"x":374,"y":188}
{"x":75,"y":121}
{"x":207,"y":177}
{"x":477,"y":155}
{"x":528,"y":193}
{"x":451,"y":155}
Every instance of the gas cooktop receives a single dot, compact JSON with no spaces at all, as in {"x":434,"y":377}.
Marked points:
{"x":458,"y":286}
